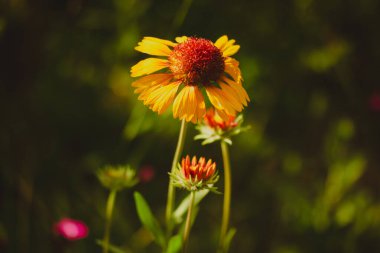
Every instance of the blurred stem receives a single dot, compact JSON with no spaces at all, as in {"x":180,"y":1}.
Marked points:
{"x":227,"y":195}
{"x":109,"y":210}
{"x":181,"y":13}
{"x":188,"y":223}
{"x":171,"y":192}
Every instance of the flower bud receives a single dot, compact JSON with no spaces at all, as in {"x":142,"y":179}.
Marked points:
{"x":118,"y":177}
{"x":195,"y":175}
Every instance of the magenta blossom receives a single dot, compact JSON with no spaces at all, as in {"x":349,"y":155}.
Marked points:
{"x":71,"y":229}
{"x":374,"y":102}
{"x":146,"y":173}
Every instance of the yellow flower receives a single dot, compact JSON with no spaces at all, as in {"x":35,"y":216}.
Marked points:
{"x":183,"y":69}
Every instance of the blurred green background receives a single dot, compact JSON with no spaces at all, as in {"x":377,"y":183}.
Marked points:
{"x":305,"y":177}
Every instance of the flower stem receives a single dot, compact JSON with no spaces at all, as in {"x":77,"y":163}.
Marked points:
{"x":227,"y":195}
{"x":109,"y":210}
{"x":171,"y":192}
{"x":188,"y":223}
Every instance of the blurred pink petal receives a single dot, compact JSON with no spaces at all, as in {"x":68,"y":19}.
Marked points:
{"x":374,"y":102}
{"x":146,"y":173}
{"x":71,"y":229}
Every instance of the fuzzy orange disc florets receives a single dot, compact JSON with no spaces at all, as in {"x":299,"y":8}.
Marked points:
{"x":197,"y":61}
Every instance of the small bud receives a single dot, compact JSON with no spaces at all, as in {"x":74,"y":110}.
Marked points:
{"x":217,"y":126}
{"x":117,"y":178}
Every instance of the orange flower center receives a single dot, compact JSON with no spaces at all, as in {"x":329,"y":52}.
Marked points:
{"x":196,"y":61}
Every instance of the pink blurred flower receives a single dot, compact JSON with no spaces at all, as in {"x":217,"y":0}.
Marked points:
{"x":374,"y":101}
{"x":146,"y":173}
{"x":71,"y":229}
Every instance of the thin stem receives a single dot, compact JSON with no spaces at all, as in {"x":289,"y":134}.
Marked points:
{"x":109,"y":210}
{"x":227,"y":195}
{"x":171,"y":191}
{"x":186,"y":233}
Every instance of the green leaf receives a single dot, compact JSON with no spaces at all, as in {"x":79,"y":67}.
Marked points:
{"x":230,"y":235}
{"x":112,"y":248}
{"x":182,"y":208}
{"x":175,"y":244}
{"x":148,"y":220}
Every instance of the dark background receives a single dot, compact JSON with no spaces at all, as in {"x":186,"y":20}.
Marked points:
{"x":305,"y":177}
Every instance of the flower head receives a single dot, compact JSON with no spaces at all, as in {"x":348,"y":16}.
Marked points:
{"x":71,"y":229}
{"x":195,"y":175}
{"x":185,"y":69}
{"x":117,"y":178}
{"x":215,"y":127}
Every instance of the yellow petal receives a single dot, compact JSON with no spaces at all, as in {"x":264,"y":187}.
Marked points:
{"x":185,"y":105}
{"x":164,"y":96}
{"x":165,"y":42}
{"x":218,"y":101}
{"x":156,"y":94}
{"x":181,"y":39}
{"x":151,"y":80}
{"x":153,"y":47}
{"x":226,"y":46}
{"x":144,"y":95}
{"x":239,"y":90}
{"x":221,"y":42}
{"x":177,"y":104}
{"x":191,"y":103}
{"x":230,"y":94}
{"x":228,"y":101}
{"x":182,"y":111}
{"x":222,"y":115}
{"x":232,"y":68}
{"x":231,"y":50}
{"x":148,"y":66}
{"x":201,"y":106}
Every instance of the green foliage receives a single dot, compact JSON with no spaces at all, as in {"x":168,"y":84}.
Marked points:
{"x":112,"y":248}
{"x":180,"y":211}
{"x":148,"y":220}
{"x":175,"y":244}
{"x":230,"y":235}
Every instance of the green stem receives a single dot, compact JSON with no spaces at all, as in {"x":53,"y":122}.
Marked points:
{"x":171,"y":191}
{"x":227,"y":195}
{"x":186,"y":233}
{"x":109,"y":210}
